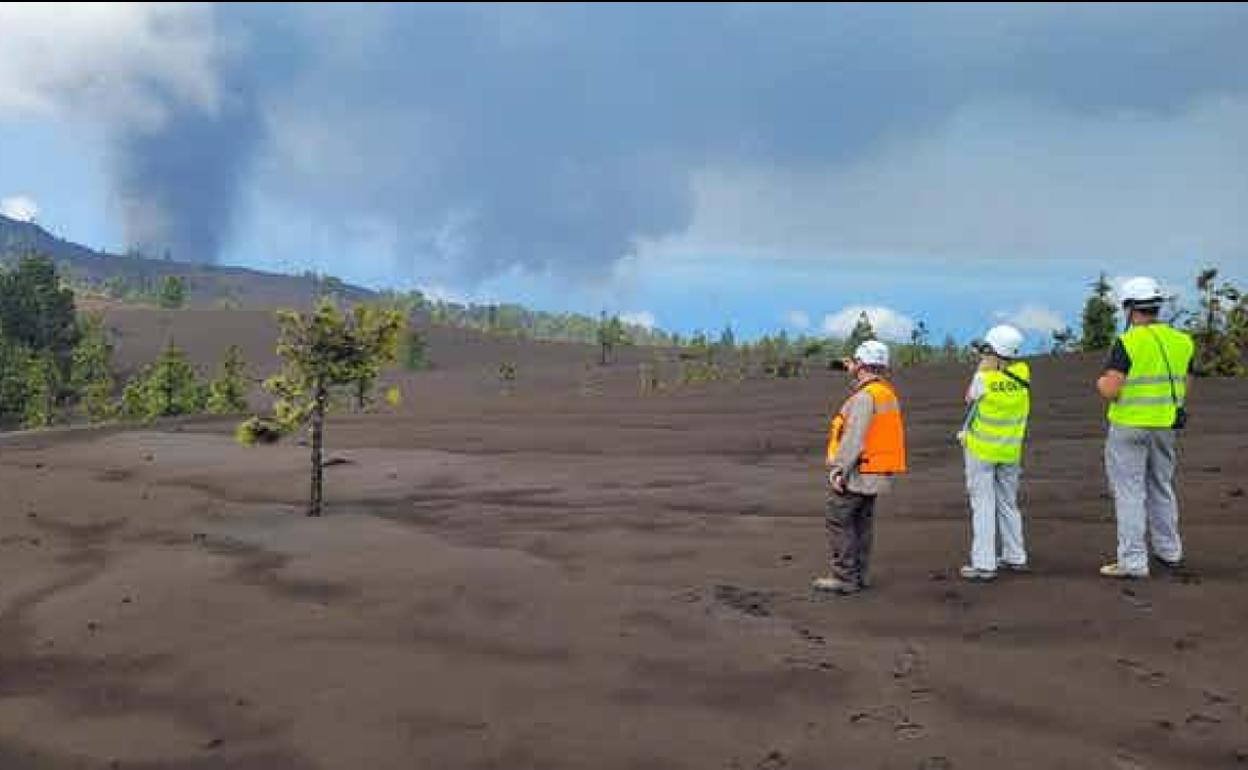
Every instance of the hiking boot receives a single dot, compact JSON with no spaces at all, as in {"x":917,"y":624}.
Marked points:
{"x":833,"y":585}
{"x":1006,"y":566}
{"x":977,"y":575}
{"x":1119,"y":572}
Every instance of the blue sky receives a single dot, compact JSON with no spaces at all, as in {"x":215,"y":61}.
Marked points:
{"x":767,"y":166}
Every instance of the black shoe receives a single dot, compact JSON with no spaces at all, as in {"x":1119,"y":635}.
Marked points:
{"x":1170,"y":565}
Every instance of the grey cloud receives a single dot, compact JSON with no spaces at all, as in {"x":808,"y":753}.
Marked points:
{"x":552,"y":138}
{"x":178,"y":184}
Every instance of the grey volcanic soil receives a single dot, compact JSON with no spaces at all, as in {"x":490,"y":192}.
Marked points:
{"x":578,"y":576}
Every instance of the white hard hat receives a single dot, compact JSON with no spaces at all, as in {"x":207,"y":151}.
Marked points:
{"x":1004,"y":340}
{"x":1141,"y":291}
{"x":872,"y":353}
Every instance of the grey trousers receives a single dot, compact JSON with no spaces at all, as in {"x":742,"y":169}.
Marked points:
{"x":850,"y":522}
{"x":993,"y":489}
{"x":1140,"y":464}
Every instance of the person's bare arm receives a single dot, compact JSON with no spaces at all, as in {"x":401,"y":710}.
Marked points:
{"x":975,"y":390}
{"x":1110,"y":384}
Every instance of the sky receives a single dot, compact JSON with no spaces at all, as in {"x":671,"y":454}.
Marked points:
{"x":767,"y":166}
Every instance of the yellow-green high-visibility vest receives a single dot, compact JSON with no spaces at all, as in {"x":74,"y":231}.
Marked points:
{"x":1147,"y":399}
{"x":999,"y":424}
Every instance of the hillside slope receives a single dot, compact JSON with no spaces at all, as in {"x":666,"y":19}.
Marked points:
{"x":207,"y":285}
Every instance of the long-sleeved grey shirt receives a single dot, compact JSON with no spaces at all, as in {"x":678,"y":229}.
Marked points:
{"x":858,"y":411}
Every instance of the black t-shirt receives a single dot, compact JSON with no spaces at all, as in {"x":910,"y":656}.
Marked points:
{"x":1119,"y":361}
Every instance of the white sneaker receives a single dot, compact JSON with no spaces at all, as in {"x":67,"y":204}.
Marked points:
{"x":1119,"y":572}
{"x":833,"y":585}
{"x":978,"y":575}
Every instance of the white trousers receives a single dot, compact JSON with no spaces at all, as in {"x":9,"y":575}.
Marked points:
{"x":1140,"y":464}
{"x":993,"y":490}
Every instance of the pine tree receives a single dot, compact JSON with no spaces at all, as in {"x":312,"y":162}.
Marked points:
{"x":611,"y":334}
{"x":918,"y":343}
{"x":133,"y":404}
{"x":174,"y":387}
{"x":91,"y":371}
{"x":1099,"y":323}
{"x":1219,"y":331}
{"x":949,"y":350}
{"x":374,"y":320}
{"x":172,"y":292}
{"x":168,"y":387}
{"x":862,"y":332}
{"x":37,"y":311}
{"x":413,"y":350}
{"x":1237,"y":324}
{"x":43,"y":384}
{"x":15,"y":362}
{"x":323,"y":352}
{"x":116,"y":287}
{"x":227,"y":394}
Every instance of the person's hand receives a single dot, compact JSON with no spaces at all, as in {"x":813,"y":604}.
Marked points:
{"x":837,"y":479}
{"x":961,"y":437}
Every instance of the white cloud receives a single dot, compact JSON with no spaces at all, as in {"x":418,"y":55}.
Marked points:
{"x":1033,"y":318}
{"x":119,"y":61}
{"x":798,"y":319}
{"x":23,"y":208}
{"x":887,"y":323}
{"x":642,"y":318}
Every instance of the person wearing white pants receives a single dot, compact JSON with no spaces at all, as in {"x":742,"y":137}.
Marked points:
{"x":993,"y":489}
{"x":993,"y":434}
{"x":1140,"y":464}
{"x":1146,"y":382}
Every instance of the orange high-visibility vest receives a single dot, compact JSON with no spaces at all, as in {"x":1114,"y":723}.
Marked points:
{"x":884,"y":450}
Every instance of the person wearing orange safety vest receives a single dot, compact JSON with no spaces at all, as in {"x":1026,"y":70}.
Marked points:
{"x":866,"y":448}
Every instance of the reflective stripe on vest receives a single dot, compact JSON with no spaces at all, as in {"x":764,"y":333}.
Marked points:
{"x":1150,"y":395}
{"x":999,"y":425}
{"x":884,"y":448}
